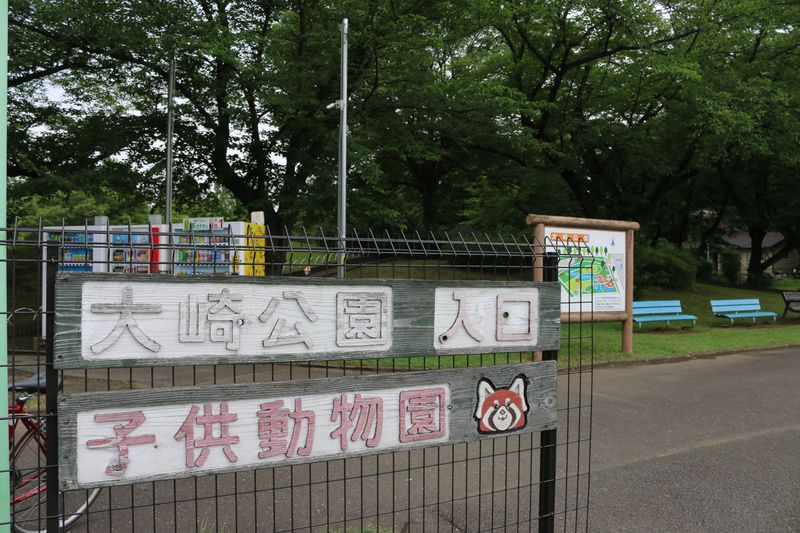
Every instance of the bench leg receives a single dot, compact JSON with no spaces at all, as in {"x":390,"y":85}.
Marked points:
{"x":667,"y":324}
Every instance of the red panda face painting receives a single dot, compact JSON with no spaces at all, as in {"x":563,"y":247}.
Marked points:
{"x":501,"y":409}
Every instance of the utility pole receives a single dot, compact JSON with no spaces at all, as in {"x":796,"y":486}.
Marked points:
{"x":341,"y":103}
{"x":170,"y":128}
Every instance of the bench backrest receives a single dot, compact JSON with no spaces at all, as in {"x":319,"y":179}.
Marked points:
{"x":735,"y":306}
{"x":791,"y":296}
{"x":657,"y":307}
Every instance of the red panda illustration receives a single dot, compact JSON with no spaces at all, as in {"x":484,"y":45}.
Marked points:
{"x":501,"y":409}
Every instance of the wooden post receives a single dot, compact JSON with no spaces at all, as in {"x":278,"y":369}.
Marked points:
{"x":627,"y":324}
{"x":539,"y":250}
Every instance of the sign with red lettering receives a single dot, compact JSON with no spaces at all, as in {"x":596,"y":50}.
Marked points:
{"x":127,"y":436}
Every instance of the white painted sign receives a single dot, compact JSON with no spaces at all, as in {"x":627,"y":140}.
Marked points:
{"x":595,"y":281}
{"x":116,"y":437}
{"x":485,"y":318}
{"x":110,"y":321}
{"x":121,"y":320}
{"x":193,"y":438}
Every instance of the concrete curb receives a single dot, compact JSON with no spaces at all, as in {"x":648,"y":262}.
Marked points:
{"x":688,"y":357}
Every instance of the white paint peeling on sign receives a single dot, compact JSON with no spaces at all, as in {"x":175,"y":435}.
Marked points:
{"x":486,"y":318}
{"x":122,"y":319}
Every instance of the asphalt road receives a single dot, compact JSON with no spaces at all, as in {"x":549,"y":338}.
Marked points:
{"x":708,"y":445}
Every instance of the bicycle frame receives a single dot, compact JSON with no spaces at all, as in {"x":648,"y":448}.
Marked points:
{"x":34,"y":430}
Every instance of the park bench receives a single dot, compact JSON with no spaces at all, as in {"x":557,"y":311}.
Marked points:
{"x":660,"y":311}
{"x":742,"y":308}
{"x":792,"y":300}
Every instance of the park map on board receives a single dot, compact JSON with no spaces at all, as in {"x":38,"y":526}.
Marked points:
{"x":591,"y":271}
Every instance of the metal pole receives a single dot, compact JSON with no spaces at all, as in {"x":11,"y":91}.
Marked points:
{"x":5,"y":507}
{"x":170,"y":127}
{"x":51,"y":396}
{"x":548,"y":439}
{"x":342,"y":210}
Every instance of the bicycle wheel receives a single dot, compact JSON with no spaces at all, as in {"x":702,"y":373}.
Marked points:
{"x":28,"y":464}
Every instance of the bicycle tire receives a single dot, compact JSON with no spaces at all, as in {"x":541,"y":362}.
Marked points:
{"x":30,"y":515}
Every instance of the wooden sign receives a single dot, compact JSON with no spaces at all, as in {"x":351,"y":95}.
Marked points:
{"x":106,"y":320}
{"x":118,"y":437}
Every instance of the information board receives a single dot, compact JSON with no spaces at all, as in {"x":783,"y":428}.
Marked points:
{"x":591,"y":272}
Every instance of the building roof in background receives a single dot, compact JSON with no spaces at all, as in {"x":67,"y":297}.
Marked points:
{"x":741,"y":239}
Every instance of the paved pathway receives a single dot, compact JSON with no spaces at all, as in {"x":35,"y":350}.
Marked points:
{"x":709,"y":445}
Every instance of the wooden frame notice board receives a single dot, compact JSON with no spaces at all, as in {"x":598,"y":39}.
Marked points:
{"x":601,"y":289}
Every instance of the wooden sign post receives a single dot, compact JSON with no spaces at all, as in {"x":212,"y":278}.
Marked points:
{"x":108,"y":320}
{"x":597,"y":278}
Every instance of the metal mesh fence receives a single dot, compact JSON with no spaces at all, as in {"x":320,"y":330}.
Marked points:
{"x":517,"y":483}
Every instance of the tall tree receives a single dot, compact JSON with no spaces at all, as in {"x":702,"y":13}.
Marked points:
{"x":752,"y":119}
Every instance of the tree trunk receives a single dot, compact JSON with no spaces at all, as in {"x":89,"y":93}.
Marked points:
{"x":754,"y":267}
{"x":427,"y":180}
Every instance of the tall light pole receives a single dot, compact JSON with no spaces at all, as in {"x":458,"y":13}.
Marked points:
{"x":170,"y":131}
{"x":342,"y":222}
{"x":341,"y":103}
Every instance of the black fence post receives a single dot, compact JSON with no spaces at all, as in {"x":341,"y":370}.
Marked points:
{"x":51,"y":404}
{"x":547,"y":455}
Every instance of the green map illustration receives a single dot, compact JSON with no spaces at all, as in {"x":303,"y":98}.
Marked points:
{"x":588,"y":275}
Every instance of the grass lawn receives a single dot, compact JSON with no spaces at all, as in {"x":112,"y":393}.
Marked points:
{"x":787,"y":284}
{"x":711,"y":334}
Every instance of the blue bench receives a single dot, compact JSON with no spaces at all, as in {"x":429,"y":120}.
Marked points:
{"x":660,"y":311}
{"x":742,"y":308}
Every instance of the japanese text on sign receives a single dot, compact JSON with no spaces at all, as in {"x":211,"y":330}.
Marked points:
{"x":139,"y":443}
{"x":470,"y":318}
{"x":141,"y":323}
{"x":118,"y":437}
{"x":123,"y":319}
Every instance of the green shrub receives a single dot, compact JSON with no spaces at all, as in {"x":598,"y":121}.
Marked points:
{"x":767,"y":279}
{"x":730,"y":263}
{"x":664,"y":267}
{"x":705,"y":270}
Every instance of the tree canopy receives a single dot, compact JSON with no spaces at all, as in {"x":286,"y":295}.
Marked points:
{"x":680,"y":114}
